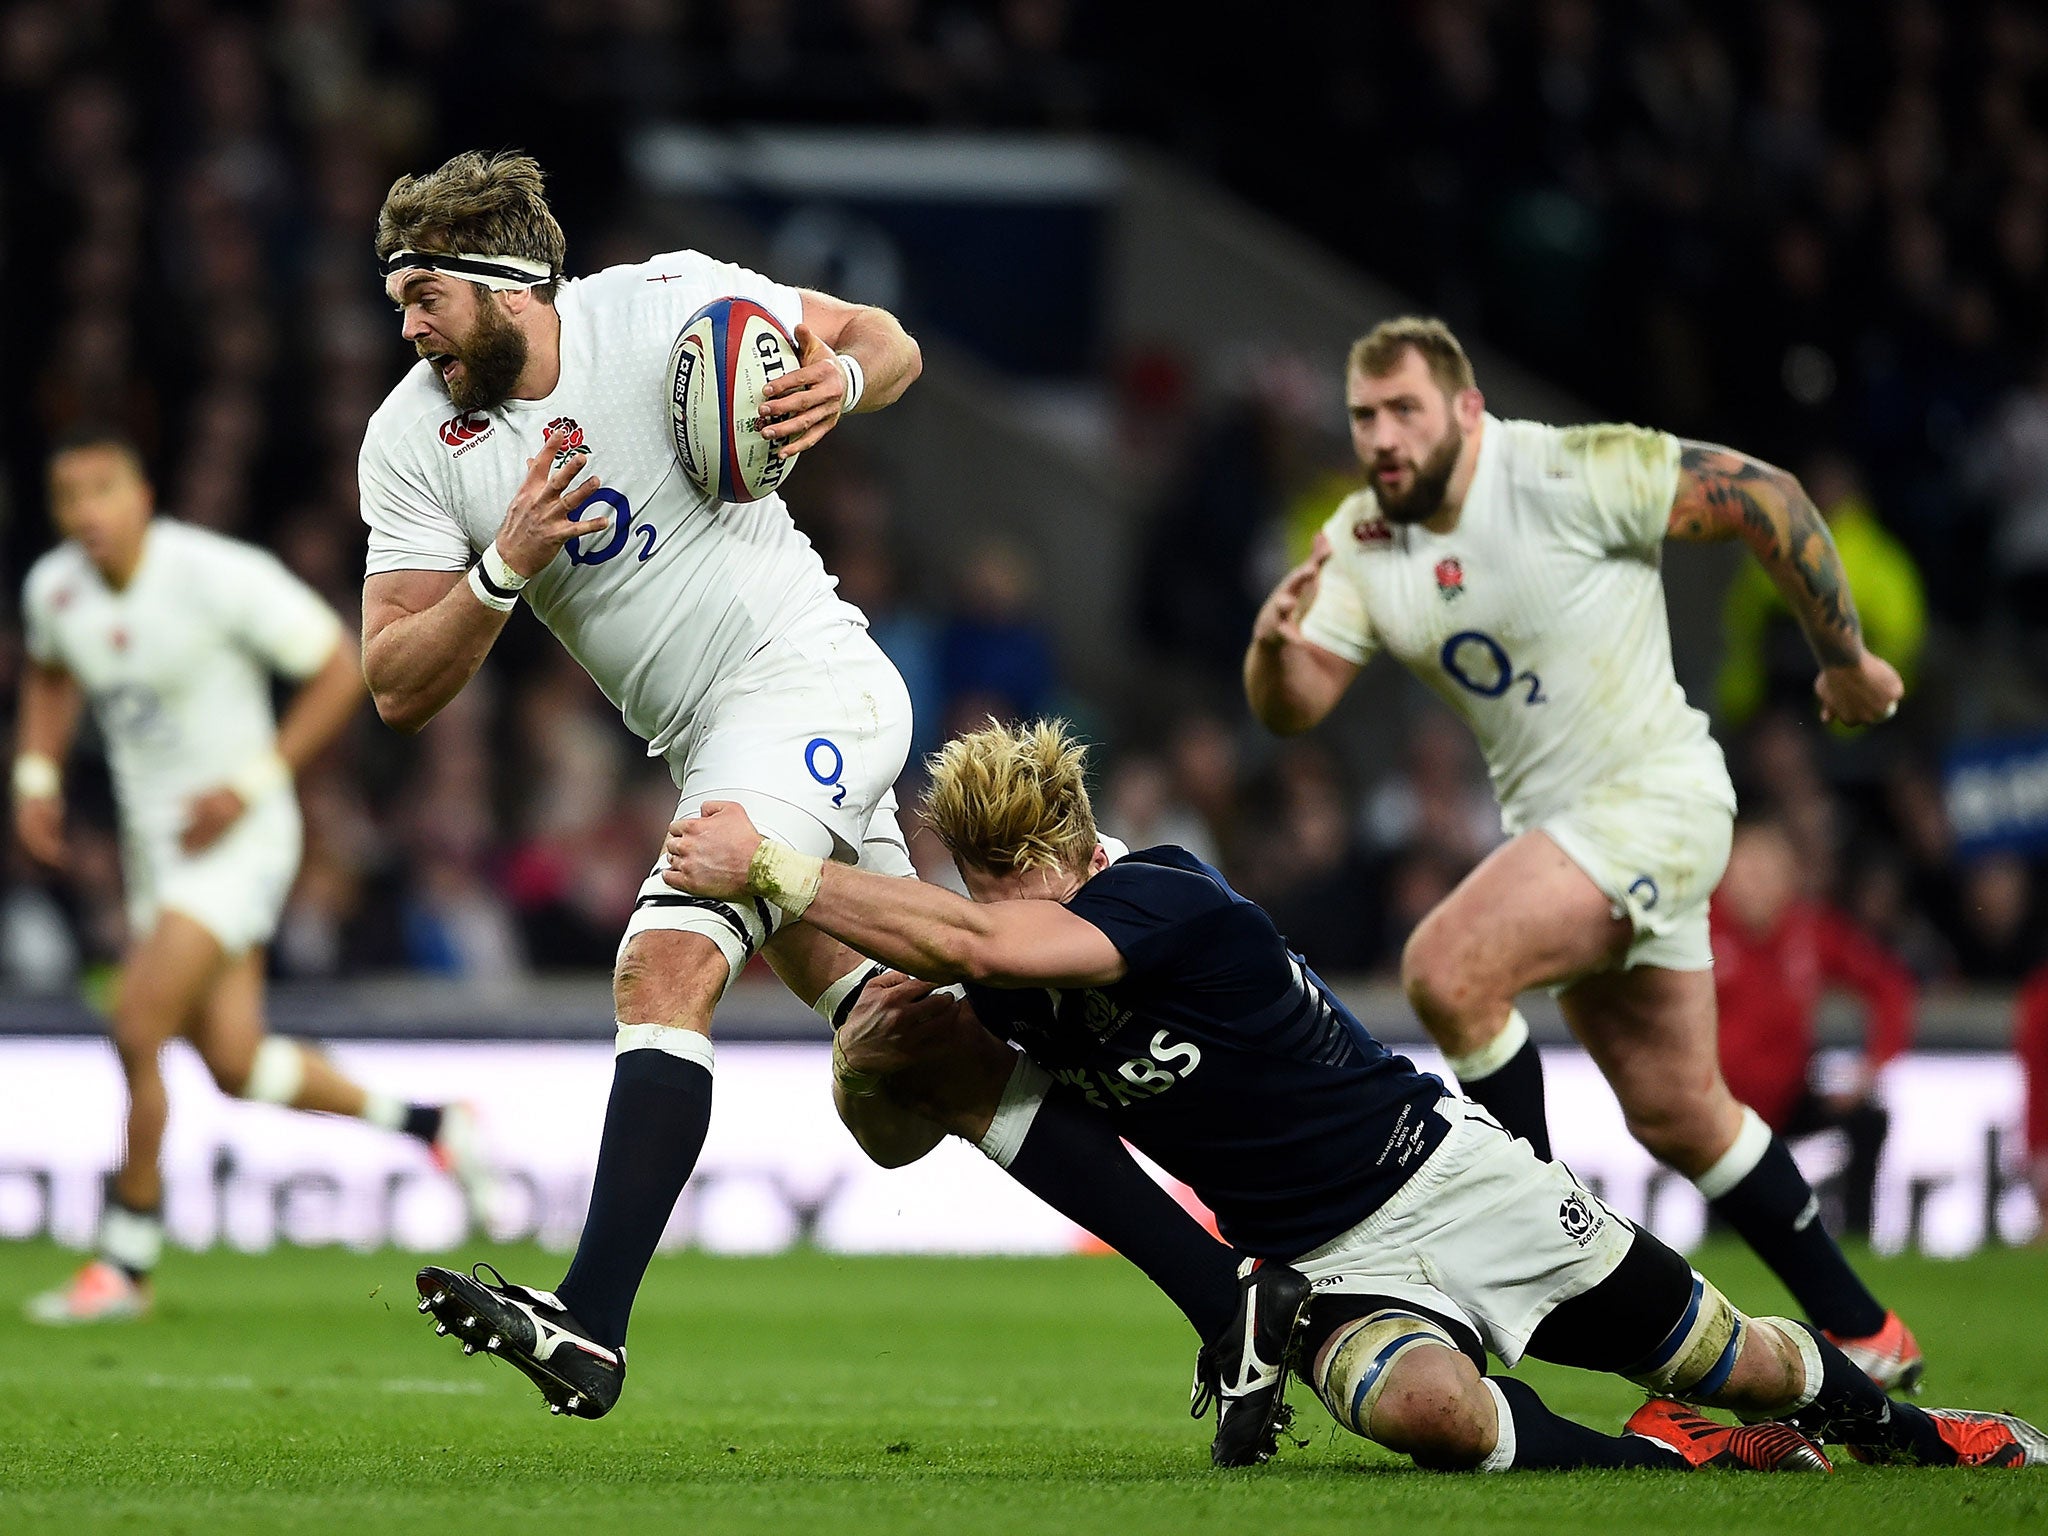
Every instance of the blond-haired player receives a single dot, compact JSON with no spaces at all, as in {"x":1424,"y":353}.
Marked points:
{"x":1515,"y":568}
{"x":1398,"y":1232}
{"x":171,"y":634}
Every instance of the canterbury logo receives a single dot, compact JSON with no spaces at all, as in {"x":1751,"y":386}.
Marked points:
{"x":461,"y":429}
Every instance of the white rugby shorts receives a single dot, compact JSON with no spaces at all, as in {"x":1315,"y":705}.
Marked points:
{"x":235,"y":889}
{"x":1484,"y":1231}
{"x":809,"y":735}
{"x":1655,"y":844}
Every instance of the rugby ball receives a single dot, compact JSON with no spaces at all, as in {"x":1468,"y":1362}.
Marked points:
{"x":726,"y":354}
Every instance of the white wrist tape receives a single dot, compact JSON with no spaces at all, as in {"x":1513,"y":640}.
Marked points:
{"x":856,"y":381}
{"x":501,"y":574}
{"x":260,"y":777}
{"x":786,"y":877}
{"x":485,"y":595}
{"x":37,"y":777}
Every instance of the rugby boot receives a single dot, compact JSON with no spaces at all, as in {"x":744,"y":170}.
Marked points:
{"x":99,"y":1293}
{"x":1978,"y":1439}
{"x":1244,"y":1370}
{"x":1890,"y":1357}
{"x":1704,"y":1442}
{"x":532,"y":1330}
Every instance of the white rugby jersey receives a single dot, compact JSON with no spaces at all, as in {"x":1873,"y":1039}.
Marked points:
{"x":682,"y":587}
{"x":177,"y":663}
{"x":1540,"y":618}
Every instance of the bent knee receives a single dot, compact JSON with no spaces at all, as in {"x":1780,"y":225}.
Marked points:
{"x":669,"y":977}
{"x":1437,"y":1410}
{"x":1688,"y":1130}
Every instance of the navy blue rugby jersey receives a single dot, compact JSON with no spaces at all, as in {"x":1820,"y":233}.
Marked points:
{"x":1225,"y":1059}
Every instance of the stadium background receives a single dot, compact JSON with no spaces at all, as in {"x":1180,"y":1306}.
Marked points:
{"x":1134,"y":260}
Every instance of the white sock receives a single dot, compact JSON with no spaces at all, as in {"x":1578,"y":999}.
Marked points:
{"x":134,"y":1240}
{"x":1735,"y":1165}
{"x":1495,"y":1054}
{"x":1502,"y":1456}
{"x":384,"y":1111}
{"x":1018,"y":1107}
{"x":686,"y":1043}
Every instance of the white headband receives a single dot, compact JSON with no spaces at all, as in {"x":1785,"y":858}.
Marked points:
{"x":504,"y":273}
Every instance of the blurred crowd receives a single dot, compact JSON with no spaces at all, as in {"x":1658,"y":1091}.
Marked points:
{"x":1819,"y":231}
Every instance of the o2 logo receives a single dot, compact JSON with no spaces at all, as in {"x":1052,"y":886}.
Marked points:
{"x":826,"y":763}
{"x":622,"y":529}
{"x":1480,"y":664}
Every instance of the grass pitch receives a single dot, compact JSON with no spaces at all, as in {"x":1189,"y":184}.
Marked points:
{"x":300,"y":1391}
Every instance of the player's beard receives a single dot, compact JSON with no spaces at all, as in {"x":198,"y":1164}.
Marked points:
{"x":1425,"y":494}
{"x":492,"y":357}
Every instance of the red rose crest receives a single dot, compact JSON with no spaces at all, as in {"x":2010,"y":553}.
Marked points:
{"x":1450,"y":577}
{"x":564,"y":424}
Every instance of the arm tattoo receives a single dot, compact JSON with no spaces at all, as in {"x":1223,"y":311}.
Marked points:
{"x":1722,"y":493}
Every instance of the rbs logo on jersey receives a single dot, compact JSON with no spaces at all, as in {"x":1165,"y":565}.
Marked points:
{"x":1141,"y":1077}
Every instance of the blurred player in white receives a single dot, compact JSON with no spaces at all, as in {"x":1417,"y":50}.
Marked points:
{"x":1515,"y":568}
{"x":528,"y":455}
{"x":171,"y":633}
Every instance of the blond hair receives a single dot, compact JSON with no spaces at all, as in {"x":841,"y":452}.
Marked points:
{"x":488,"y":205}
{"x":1379,"y":351}
{"x":1011,"y":797}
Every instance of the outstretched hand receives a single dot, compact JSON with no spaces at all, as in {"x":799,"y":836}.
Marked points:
{"x":1280,"y":616}
{"x":710,"y":854}
{"x":543,"y":514}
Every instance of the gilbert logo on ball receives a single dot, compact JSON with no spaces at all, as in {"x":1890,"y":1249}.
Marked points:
{"x":726,"y":355}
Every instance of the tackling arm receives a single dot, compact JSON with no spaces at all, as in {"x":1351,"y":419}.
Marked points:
{"x":921,"y":930}
{"x":1723,"y":494}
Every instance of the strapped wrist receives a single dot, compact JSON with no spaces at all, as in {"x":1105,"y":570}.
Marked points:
{"x":786,"y":877}
{"x":260,"y":777}
{"x":37,"y":777}
{"x":856,"y":381}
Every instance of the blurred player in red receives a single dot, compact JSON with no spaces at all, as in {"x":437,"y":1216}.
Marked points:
{"x":2030,"y":1044}
{"x":1776,"y":953}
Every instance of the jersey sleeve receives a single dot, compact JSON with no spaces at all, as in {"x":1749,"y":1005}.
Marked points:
{"x":709,"y":278}
{"x":1337,"y":620}
{"x":408,"y":530}
{"x":272,"y":614}
{"x":1146,"y":912}
{"x":38,"y":621}
{"x":1626,"y":479}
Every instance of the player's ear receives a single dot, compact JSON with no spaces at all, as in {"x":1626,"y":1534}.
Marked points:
{"x":1469,"y":405}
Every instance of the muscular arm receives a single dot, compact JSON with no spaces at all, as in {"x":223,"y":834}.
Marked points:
{"x":1292,"y":683}
{"x":888,"y":355}
{"x":424,"y":635}
{"x":44,"y":726}
{"x":921,"y":930}
{"x":928,"y":932}
{"x":1723,"y":494}
{"x":804,"y":405}
{"x":426,"y":632}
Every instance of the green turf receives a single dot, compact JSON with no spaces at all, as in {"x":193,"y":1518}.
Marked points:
{"x":299,"y":1391}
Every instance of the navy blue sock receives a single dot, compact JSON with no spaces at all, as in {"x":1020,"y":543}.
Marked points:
{"x":654,"y":1128}
{"x":1774,"y":1209}
{"x":1073,"y":1160}
{"x":1546,"y":1441}
{"x":423,"y":1121}
{"x":1513,"y":1095}
{"x":1851,"y":1409}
